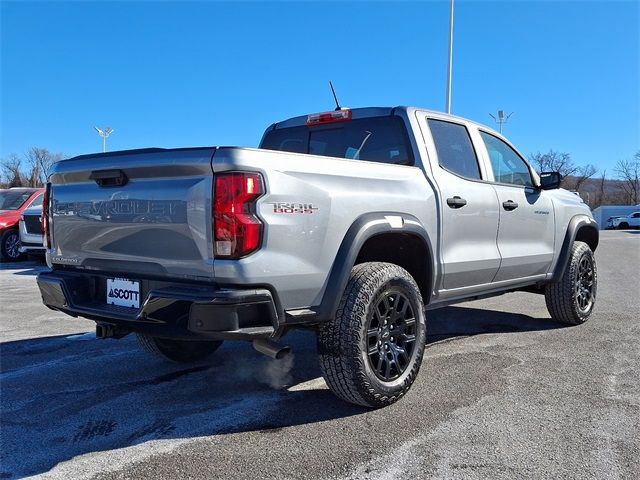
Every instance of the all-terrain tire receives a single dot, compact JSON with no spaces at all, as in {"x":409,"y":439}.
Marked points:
{"x":567,"y":300}
{"x":344,"y":343}
{"x":9,"y":243}
{"x":181,"y":351}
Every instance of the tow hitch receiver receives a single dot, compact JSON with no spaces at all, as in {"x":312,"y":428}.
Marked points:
{"x":108,"y":330}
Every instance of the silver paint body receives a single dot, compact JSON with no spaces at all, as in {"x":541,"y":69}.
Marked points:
{"x":160,"y":221}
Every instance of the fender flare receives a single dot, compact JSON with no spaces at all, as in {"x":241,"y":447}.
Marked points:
{"x":575,"y":224}
{"x":362,"y":229}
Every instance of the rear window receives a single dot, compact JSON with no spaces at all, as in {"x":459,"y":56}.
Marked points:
{"x":13,"y":200}
{"x":375,"y":139}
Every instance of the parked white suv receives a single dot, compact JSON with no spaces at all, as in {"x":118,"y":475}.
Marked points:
{"x":31,"y":238}
{"x":630,"y":221}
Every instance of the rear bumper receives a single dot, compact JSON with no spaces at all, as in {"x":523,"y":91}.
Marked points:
{"x":170,"y":310}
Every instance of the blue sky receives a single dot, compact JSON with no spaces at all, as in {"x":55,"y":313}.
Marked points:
{"x":210,"y":73}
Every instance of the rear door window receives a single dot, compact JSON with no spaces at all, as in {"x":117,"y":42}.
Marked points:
{"x":454,"y":148}
{"x":375,"y":139}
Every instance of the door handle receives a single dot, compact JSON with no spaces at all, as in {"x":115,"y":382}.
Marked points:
{"x":456,"y":202}
{"x":509,"y":205}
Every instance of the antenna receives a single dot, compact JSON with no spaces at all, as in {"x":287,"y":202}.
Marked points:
{"x":338,"y":107}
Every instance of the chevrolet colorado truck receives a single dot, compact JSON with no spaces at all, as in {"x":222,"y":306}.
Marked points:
{"x":353,"y":223}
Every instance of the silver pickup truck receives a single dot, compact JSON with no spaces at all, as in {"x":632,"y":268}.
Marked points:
{"x":352,"y":223}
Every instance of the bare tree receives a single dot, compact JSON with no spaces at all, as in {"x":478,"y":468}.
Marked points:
{"x":629,"y":172}
{"x":601,"y":193}
{"x":553,"y":161}
{"x":582,"y":174}
{"x":12,"y":170}
{"x":40,"y":161}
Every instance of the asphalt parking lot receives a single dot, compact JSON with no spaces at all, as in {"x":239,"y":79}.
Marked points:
{"x":503,"y":393}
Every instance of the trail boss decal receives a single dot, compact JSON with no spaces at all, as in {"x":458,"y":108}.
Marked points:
{"x":285,"y":207}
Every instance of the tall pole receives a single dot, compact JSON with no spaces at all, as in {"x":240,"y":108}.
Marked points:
{"x":104,"y":133}
{"x":448,"y":99}
{"x":501,"y":119}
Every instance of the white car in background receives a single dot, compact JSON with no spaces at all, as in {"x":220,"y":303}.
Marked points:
{"x":630,"y":221}
{"x":31,"y":237}
{"x":609,"y":224}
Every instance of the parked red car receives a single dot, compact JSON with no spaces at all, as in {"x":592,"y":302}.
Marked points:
{"x":12,"y":203}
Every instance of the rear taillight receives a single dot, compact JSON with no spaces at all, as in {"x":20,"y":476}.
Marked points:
{"x":46,"y":198}
{"x":237,"y":231}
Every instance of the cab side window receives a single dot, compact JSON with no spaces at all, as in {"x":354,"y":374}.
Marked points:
{"x":507,"y":165}
{"x":454,"y":148}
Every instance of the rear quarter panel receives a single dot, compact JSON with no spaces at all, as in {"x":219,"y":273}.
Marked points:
{"x":311,"y":202}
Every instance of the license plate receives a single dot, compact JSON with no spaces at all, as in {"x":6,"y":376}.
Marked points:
{"x":123,"y":292}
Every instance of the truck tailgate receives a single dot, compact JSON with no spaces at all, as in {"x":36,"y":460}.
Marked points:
{"x":144,"y":212}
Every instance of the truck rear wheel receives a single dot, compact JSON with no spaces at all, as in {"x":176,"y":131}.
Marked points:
{"x":181,"y":351}
{"x":371,"y":352}
{"x":571,"y":300}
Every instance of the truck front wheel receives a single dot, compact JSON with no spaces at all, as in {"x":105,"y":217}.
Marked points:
{"x":182,"y":351}
{"x":571,"y":300}
{"x":371,"y":352}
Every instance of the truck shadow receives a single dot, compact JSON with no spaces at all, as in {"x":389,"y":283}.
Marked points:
{"x":27,"y":267}
{"x":451,"y":322}
{"x":70,"y":395}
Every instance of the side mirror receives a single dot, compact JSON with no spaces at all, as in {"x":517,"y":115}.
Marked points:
{"x":550,"y":180}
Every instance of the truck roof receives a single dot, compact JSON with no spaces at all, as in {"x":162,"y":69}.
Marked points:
{"x":364,"y":112}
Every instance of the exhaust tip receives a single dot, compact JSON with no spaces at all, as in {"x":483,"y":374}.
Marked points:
{"x":283,"y":352}
{"x":271,"y":348}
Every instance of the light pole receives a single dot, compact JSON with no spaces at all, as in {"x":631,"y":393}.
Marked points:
{"x":501,"y":119}
{"x":104,"y":133}
{"x":450,"y":67}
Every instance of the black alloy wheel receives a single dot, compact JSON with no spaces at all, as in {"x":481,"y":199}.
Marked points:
{"x":584,"y":283}
{"x":391,"y":335}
